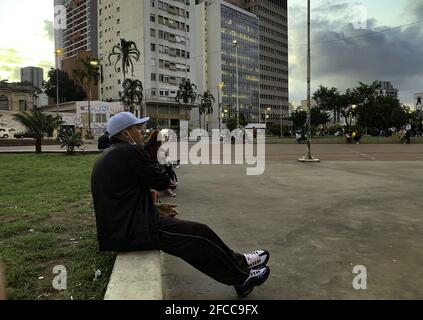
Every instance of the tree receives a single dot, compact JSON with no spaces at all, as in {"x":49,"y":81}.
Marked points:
{"x":206,"y":106}
{"x":187,"y":93}
{"x":39,"y":123}
{"x":332,"y":100}
{"x":68,"y":91}
{"x":71,"y":141}
{"x":382,"y":113}
{"x":318,"y":118}
{"x":299,"y":118}
{"x":86,"y":75}
{"x":242,"y":120}
{"x":132,"y":94}
{"x":365,"y":93}
{"x":231,"y":124}
{"x":275,"y":130}
{"x":125,"y":52}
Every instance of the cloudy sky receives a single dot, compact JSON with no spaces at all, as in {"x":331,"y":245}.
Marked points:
{"x":26,"y":37}
{"x":366,"y":53}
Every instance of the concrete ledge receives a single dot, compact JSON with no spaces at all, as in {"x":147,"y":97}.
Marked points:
{"x":136,"y":276}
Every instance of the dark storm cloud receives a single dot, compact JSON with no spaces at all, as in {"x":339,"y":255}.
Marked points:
{"x":359,"y":55}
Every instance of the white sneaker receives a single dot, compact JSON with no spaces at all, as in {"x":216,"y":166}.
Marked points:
{"x":256,"y":278}
{"x":257,"y":259}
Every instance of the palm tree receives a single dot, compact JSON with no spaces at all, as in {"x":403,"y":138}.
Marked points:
{"x":40,"y":124}
{"x":132,"y":94}
{"x":86,"y":74}
{"x":206,"y":105}
{"x":125,"y":52}
{"x":187,"y":93}
{"x":71,"y":141}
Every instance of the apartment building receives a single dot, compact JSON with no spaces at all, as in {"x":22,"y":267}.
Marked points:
{"x":163,"y":33}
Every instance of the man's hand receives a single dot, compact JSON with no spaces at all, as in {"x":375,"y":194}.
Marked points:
{"x":168,"y":210}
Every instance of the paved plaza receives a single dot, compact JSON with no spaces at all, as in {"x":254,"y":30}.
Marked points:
{"x":317,"y":220}
{"x":290,"y":152}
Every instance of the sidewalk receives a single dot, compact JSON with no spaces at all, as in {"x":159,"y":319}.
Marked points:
{"x":318,"y":222}
{"x":291,"y":152}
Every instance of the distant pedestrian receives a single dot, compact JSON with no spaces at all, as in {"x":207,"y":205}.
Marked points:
{"x":254,"y":132}
{"x":357,"y":137}
{"x":104,"y":141}
{"x":408,"y":128}
{"x":402,"y":135}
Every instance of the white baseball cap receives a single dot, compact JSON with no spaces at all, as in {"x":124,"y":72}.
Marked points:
{"x":122,"y":121}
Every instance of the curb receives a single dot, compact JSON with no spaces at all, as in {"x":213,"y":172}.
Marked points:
{"x":136,"y":276}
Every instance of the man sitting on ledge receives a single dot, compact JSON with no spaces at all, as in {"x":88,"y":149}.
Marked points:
{"x":128,"y":219}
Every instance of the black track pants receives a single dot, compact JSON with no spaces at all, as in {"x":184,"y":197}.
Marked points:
{"x":199,"y":246}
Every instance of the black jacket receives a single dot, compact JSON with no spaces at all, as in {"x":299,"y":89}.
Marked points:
{"x":121,"y":181}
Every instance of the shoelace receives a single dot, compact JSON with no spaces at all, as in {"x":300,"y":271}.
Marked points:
{"x":255,"y":273}
{"x":253,"y":258}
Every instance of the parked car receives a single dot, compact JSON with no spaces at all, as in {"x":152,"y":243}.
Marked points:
{"x":4,"y":133}
{"x":28,"y":134}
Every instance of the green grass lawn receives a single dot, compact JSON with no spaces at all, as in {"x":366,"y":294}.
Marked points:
{"x":47,"y":219}
{"x":341,"y":140}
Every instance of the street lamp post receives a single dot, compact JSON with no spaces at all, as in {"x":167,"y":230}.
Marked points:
{"x":58,"y":53}
{"x":226,"y":116}
{"x":219,"y":88}
{"x":94,"y":63}
{"x":266,"y":116}
{"x":281,"y":122}
{"x":235,"y":42}
{"x":309,"y":157}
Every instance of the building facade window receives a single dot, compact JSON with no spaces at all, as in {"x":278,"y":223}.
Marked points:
{"x":23,"y":105}
{"x":4,"y":103}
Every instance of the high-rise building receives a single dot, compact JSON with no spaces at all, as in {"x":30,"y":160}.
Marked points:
{"x":273,"y":20}
{"x":227,"y":61}
{"x":78,"y":31}
{"x":387,"y":89}
{"x":163,"y":33}
{"x":33,"y":75}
